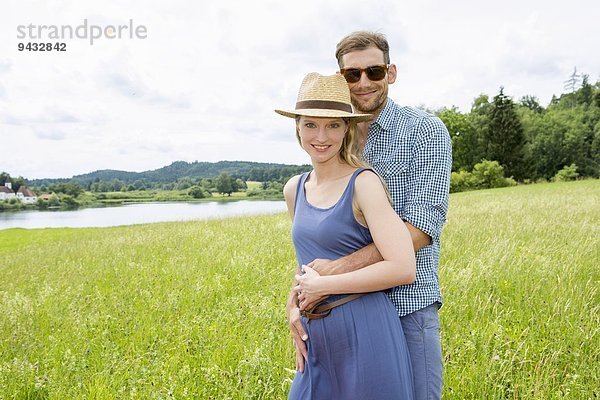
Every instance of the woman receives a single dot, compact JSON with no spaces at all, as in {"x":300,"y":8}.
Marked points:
{"x":356,"y":347}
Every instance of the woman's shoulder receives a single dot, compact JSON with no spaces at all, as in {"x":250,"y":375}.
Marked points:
{"x":289,"y":189}
{"x":368,"y":184}
{"x":367,"y":177}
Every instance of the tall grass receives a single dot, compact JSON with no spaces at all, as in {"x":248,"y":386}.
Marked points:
{"x":520,"y":274}
{"x":195,"y":310}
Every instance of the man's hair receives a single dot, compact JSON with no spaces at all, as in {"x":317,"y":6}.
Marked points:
{"x":361,"y":40}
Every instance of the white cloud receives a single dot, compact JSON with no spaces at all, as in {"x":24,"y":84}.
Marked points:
{"x":204,"y":82}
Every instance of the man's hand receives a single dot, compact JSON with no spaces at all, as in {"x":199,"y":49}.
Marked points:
{"x":297,"y":330}
{"x":359,"y":259}
{"x":300,"y":357}
{"x":323,"y":266}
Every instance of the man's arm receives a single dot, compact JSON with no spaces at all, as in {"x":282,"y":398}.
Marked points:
{"x":419,"y":238}
{"x":359,"y":259}
{"x":429,"y":180}
{"x":366,"y":256}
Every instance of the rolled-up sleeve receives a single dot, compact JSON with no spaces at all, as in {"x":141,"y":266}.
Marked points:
{"x":429,"y":176}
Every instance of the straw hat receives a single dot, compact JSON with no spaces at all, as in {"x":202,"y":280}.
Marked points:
{"x":326,"y":97}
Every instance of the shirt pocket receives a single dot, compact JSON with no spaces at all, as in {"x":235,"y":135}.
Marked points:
{"x":391,"y":167}
{"x":394,"y":172}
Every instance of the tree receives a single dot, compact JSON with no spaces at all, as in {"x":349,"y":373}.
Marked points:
{"x":533,"y":129}
{"x":505,"y":141}
{"x":572,"y":83}
{"x":241,"y":185}
{"x":116,"y":185}
{"x":184,"y":183}
{"x":532,"y":103}
{"x":466,"y":143}
{"x":223,"y":184}
{"x":4,"y":177}
{"x":139,"y":185}
{"x":207,"y":184}
{"x":585,"y":95}
{"x":257,"y":174}
{"x":72,"y":189}
{"x":479,"y":120}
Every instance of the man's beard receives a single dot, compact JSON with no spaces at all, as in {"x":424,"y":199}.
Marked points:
{"x":372,"y":106}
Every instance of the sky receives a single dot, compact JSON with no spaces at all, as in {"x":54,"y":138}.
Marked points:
{"x":198,"y":80}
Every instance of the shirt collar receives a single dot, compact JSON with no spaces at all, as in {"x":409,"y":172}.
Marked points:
{"x":384,"y":120}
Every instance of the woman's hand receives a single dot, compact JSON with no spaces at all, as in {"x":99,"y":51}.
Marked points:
{"x":309,"y":288}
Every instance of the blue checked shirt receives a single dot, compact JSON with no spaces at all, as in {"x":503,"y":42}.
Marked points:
{"x":412,"y":151}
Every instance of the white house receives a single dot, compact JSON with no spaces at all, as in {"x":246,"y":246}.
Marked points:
{"x":6,"y":192}
{"x":26,"y":196}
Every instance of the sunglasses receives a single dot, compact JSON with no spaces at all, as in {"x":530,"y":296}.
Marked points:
{"x":374,"y":73}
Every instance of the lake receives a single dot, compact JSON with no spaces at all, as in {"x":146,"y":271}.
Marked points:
{"x":140,"y":213}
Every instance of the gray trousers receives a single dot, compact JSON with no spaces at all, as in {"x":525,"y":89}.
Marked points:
{"x":422,"y":332}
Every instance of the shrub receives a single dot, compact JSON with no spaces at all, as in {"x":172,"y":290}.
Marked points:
{"x":68,"y":201}
{"x":254,"y":192}
{"x":42,"y":204}
{"x":197,"y":192}
{"x":485,"y":175}
{"x":568,"y":173}
{"x":461,"y":181}
{"x":53,"y":201}
{"x":264,"y":193}
{"x":489,"y":174}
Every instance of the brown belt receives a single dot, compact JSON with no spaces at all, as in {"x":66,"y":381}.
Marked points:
{"x":321,"y":310}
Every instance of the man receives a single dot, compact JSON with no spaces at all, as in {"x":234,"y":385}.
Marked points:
{"x":412,"y":151}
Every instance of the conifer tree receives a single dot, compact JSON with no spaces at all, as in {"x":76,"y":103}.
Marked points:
{"x":505,"y":140}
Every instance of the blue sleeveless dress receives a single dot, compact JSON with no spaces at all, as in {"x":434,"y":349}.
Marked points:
{"x":359,"y":350}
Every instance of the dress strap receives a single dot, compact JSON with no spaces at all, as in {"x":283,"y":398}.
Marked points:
{"x":300,"y":193}
{"x":349,"y":194}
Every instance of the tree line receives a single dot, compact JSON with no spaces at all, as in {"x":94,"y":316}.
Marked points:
{"x":168,"y":177}
{"x":499,"y":142}
{"x":524,"y":141}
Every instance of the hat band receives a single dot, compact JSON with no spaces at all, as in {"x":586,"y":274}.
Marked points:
{"x":324,"y":104}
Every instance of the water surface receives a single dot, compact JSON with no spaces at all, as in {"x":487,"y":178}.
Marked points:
{"x":140,"y":213}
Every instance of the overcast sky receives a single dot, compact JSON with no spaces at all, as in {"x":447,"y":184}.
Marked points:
{"x":202,"y":83}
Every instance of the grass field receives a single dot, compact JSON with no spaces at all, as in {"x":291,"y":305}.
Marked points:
{"x":195,"y":310}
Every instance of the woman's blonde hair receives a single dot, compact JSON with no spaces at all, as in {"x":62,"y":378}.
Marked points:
{"x":350,"y":151}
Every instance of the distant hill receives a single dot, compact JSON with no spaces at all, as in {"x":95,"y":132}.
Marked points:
{"x":246,"y":170}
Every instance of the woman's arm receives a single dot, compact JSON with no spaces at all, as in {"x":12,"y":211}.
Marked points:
{"x":289,"y":194}
{"x":391,"y":237}
{"x":293,"y":312}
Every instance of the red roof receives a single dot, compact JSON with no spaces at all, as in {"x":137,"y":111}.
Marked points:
{"x":4,"y":189}
{"x":26,"y":192}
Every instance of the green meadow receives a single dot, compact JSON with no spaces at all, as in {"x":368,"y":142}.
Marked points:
{"x":195,"y":310}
